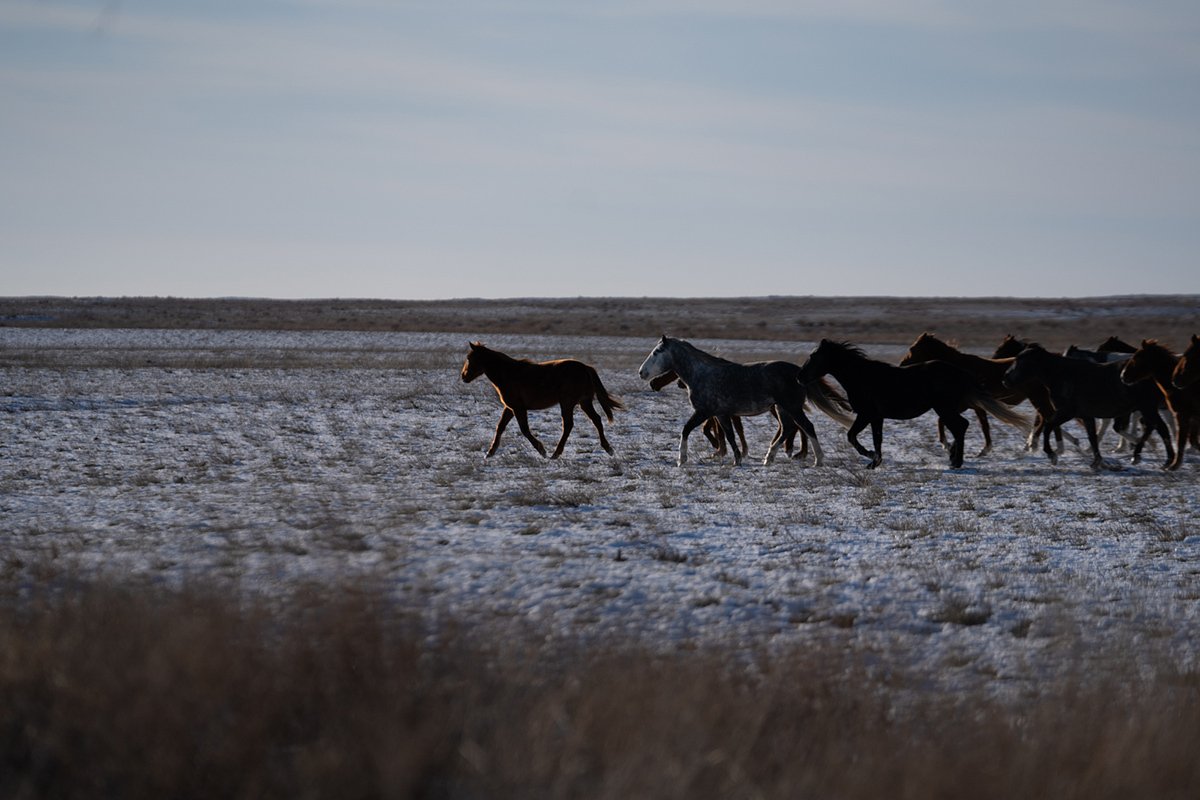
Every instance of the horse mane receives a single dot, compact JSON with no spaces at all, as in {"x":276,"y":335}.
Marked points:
{"x":847,"y":348}
{"x":480,"y":346}
{"x":697,"y":352}
{"x":1154,"y":347}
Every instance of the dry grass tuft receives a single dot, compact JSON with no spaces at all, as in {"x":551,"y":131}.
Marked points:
{"x":119,"y":691}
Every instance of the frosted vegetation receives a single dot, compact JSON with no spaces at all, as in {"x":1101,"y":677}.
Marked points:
{"x":277,"y":459}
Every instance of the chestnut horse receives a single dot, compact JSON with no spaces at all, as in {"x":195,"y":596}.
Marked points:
{"x":525,"y":386}
{"x":1154,"y":362}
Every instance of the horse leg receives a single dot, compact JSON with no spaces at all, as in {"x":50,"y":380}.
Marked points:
{"x":696,"y":419}
{"x":523,"y":423}
{"x":712,"y":431}
{"x":852,"y":432}
{"x":726,"y":427}
{"x":1154,"y":423}
{"x":568,"y":422}
{"x":877,"y":440}
{"x":1089,"y":424}
{"x":741,"y":432}
{"x":957,"y":424}
{"x":986,"y":427}
{"x":590,"y":410}
{"x":941,"y":426}
{"x":783,"y":435}
{"x":809,"y":432}
{"x":1051,"y":424}
{"x":1182,"y":424}
{"x":505,"y":418}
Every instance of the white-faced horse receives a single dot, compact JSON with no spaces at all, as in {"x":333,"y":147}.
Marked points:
{"x":724,"y":389}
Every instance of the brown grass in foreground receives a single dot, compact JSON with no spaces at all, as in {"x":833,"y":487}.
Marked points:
{"x":116,"y":691}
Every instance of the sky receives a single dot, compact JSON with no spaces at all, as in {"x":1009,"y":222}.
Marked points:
{"x":562,"y":148}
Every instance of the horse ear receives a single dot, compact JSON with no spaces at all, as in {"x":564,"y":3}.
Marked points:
{"x":475,"y":345}
{"x":1147,"y":342}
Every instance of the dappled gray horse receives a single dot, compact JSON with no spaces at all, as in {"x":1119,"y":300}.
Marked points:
{"x":724,"y":389}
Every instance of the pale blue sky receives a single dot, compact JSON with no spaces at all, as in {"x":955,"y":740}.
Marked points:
{"x":460,"y":148}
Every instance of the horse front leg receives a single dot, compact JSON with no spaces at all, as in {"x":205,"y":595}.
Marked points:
{"x":852,"y":433}
{"x":696,"y":419}
{"x":568,"y":422}
{"x":523,"y":422}
{"x":505,"y":418}
{"x":957,"y":424}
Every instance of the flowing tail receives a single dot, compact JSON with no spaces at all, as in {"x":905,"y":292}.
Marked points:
{"x":981,"y":400}
{"x":824,"y":396}
{"x":606,"y":402}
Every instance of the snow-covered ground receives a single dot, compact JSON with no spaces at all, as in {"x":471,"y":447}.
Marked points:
{"x":279,"y":458}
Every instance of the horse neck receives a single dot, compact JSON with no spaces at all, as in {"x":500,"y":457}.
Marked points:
{"x":849,"y":368}
{"x":686,"y":360}
{"x":1159,"y":364}
{"x":497,"y":366}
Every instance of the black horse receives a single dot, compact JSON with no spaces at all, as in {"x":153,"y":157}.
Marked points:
{"x":878,"y":391}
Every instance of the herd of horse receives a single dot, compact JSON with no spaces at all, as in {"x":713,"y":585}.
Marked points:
{"x":1130,"y":386}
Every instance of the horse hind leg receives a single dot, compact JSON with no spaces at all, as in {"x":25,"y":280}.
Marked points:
{"x":590,"y":410}
{"x":568,"y":422}
{"x":986,"y":428}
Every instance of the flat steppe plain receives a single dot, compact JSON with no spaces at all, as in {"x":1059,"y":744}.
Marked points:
{"x":273,"y":444}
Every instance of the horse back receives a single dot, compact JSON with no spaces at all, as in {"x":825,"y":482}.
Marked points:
{"x":548,"y":383}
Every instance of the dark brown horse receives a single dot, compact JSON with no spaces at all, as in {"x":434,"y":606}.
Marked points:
{"x":1156,"y":363}
{"x":1087,"y":391}
{"x":877,"y":391}
{"x":525,"y":386}
{"x":1010,"y":347}
{"x":988,"y":371}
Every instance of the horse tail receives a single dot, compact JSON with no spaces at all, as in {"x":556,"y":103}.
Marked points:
{"x":826,"y":397}
{"x":607,"y":402}
{"x":982,"y":400}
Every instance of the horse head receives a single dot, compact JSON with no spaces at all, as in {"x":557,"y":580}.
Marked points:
{"x":1009,"y":347}
{"x":472,"y":367}
{"x":927,"y":346}
{"x":659,"y":361}
{"x":1025,"y":366}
